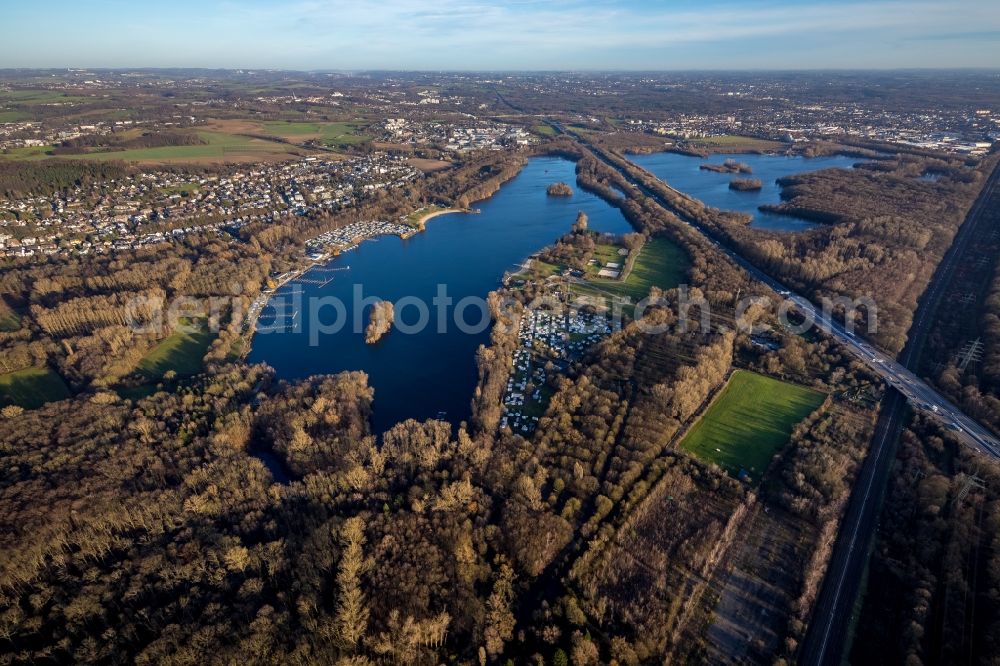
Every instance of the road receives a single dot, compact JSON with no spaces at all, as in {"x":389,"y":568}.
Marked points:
{"x":826,"y":636}
{"x":917,"y":392}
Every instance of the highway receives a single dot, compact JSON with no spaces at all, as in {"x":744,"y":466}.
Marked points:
{"x":826,"y":637}
{"x":917,"y":392}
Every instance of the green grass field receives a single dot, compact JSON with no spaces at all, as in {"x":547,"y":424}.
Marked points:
{"x":32,"y":153}
{"x":32,"y":387}
{"x":544,"y":130}
{"x":660,"y":263}
{"x":749,"y":422}
{"x":181,"y":351}
{"x":13,"y":116}
{"x":32,"y":97}
{"x":605,"y":253}
{"x":330,"y":134}
{"x":217,"y":146}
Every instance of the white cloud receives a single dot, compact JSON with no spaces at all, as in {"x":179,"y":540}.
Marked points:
{"x":476,"y":34}
{"x":401,"y":30}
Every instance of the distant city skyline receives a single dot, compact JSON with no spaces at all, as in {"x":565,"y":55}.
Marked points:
{"x":516,"y":35}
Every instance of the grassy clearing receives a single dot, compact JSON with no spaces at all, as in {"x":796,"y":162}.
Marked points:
{"x":537,"y":408}
{"x":544,"y":130}
{"x":544,"y":269}
{"x":218,"y":147}
{"x":33,"y":97}
{"x":29,"y":153}
{"x":751,"y":419}
{"x":428,"y":165}
{"x":418,"y":218}
{"x":414,"y":218}
{"x":9,"y":320}
{"x":13,"y":116}
{"x":735,"y":143}
{"x":32,"y":387}
{"x":330,"y":134}
{"x":660,"y":263}
{"x":182,"y":351}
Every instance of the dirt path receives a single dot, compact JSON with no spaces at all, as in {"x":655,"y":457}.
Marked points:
{"x":756,"y":592}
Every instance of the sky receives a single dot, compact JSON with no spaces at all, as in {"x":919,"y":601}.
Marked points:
{"x":511,"y":35}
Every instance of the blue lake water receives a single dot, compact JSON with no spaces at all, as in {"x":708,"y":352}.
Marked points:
{"x":418,"y":375}
{"x":682,"y":172}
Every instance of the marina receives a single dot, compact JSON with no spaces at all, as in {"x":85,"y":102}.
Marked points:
{"x":463,"y":254}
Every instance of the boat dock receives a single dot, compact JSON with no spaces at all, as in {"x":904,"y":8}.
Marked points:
{"x":320,"y":276}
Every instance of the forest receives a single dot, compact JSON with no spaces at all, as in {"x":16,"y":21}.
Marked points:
{"x":884,"y":233}
{"x":963,"y":346}
{"x":229,"y":516}
{"x":934,"y":589}
{"x":883,"y":230}
{"x":22,"y":178}
{"x":91,"y":143}
{"x":93,"y":318}
{"x":154,"y":528}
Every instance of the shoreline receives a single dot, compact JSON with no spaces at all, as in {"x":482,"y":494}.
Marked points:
{"x":252,"y":317}
{"x":419,"y":226}
{"x":421,"y":222}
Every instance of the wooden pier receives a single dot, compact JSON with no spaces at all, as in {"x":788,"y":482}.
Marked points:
{"x":316,"y":281}
{"x":321,"y":274}
{"x":281,"y":323}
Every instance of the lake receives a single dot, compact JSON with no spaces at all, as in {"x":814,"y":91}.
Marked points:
{"x":419,"y":375}
{"x":683,"y":172}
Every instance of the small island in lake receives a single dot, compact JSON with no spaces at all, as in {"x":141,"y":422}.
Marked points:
{"x":379,"y":322}
{"x":559,"y":190}
{"x":729,"y":166}
{"x":745,"y":184}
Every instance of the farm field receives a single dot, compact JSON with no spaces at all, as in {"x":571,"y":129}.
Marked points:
{"x":750,"y":420}
{"x":218,"y":147}
{"x":428,"y":165}
{"x":181,"y":351}
{"x":33,"y":97}
{"x":13,"y":116}
{"x":329,"y":134}
{"x":31,"y":387}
